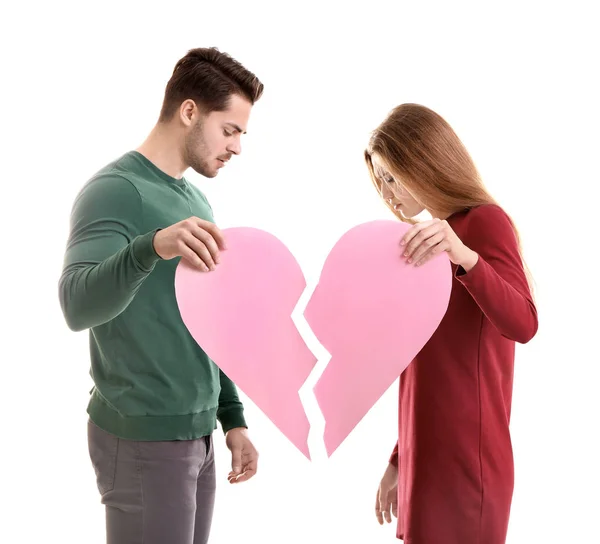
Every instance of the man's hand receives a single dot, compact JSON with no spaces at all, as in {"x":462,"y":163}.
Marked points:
{"x":195,"y":240}
{"x":244,"y":457}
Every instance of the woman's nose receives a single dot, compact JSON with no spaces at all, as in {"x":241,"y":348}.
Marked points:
{"x":386,"y":193}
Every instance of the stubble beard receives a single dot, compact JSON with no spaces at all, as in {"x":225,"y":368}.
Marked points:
{"x":196,"y":152}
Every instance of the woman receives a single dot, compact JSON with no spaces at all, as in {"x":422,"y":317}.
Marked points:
{"x":450,"y":476}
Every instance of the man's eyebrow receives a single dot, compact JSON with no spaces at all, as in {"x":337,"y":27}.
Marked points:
{"x":236,"y":127}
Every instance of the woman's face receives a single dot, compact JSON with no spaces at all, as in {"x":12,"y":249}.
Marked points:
{"x":394,"y":192}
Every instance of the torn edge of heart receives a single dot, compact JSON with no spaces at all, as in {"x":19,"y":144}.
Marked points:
{"x":306,"y":393}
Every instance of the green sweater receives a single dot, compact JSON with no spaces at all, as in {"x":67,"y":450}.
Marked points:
{"x":151,"y":379}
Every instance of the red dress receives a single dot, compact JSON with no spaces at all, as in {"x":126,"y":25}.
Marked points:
{"x":454,"y":452}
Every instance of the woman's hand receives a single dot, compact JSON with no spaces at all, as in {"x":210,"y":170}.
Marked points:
{"x":427,"y":239}
{"x":386,"y":503}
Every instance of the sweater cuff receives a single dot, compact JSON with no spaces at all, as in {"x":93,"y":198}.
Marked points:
{"x":143,"y":250}
{"x":232,"y":419}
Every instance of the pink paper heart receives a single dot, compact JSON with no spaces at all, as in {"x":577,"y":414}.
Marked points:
{"x":370,"y":310}
{"x":373,"y":312}
{"x":240,"y":314}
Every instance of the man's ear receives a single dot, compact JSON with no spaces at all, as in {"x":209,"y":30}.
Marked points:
{"x":188,"y":112}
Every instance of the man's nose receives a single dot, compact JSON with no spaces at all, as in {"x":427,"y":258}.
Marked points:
{"x":235,"y":147}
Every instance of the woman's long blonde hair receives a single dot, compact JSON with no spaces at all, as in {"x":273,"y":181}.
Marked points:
{"x":422,"y":150}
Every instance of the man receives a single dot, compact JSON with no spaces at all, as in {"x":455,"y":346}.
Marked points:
{"x":157,"y":395}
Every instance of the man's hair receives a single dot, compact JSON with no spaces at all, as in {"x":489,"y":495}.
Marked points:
{"x":208,"y":77}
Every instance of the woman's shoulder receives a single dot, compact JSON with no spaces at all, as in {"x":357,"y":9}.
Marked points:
{"x":486,"y":222}
{"x":480,"y":214}
{"x":486,"y":215}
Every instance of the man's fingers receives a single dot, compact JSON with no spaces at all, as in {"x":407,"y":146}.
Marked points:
{"x":244,"y":476}
{"x":249,"y":470}
{"x":192,"y":257}
{"x":204,"y":238}
{"x":236,"y":461}
{"x":215,"y":232}
{"x":200,"y":249}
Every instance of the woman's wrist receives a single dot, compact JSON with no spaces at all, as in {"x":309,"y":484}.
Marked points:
{"x":469,"y":260}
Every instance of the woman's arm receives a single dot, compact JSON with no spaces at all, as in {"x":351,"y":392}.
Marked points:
{"x":497,"y":280}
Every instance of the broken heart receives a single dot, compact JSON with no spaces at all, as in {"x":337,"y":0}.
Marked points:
{"x":240,"y":314}
{"x":371,"y":310}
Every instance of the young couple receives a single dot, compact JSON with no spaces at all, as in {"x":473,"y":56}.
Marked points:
{"x":157,"y":396}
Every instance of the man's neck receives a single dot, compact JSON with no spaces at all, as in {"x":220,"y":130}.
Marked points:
{"x":163,"y":148}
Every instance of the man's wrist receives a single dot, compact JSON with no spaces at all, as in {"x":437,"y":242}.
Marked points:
{"x":243,"y":430}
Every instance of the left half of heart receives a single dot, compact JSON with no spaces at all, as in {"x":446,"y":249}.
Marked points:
{"x":241,"y":315}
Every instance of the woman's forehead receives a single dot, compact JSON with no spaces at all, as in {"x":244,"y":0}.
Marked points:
{"x":379,"y":168}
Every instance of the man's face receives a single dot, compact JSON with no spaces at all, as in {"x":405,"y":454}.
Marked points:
{"x":212,"y":139}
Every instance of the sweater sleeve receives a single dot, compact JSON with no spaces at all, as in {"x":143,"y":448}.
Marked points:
{"x":230,"y":412}
{"x":497,"y":282}
{"x":107,"y":258}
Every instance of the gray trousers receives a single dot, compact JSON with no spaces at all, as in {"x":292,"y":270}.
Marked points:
{"x":154,"y":492}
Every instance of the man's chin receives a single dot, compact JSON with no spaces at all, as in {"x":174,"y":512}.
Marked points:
{"x":206,"y":173}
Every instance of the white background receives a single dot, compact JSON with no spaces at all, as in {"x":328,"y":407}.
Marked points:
{"x":83,"y":83}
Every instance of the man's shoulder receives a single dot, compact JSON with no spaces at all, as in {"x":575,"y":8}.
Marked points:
{"x":110,"y":188}
{"x":113,"y":178}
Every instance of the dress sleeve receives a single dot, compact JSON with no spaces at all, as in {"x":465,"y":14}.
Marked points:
{"x":497,"y":282}
{"x":394,"y":457}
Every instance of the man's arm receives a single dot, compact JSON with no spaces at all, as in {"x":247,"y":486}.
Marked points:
{"x":107,"y":258}
{"x":230,"y":412}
